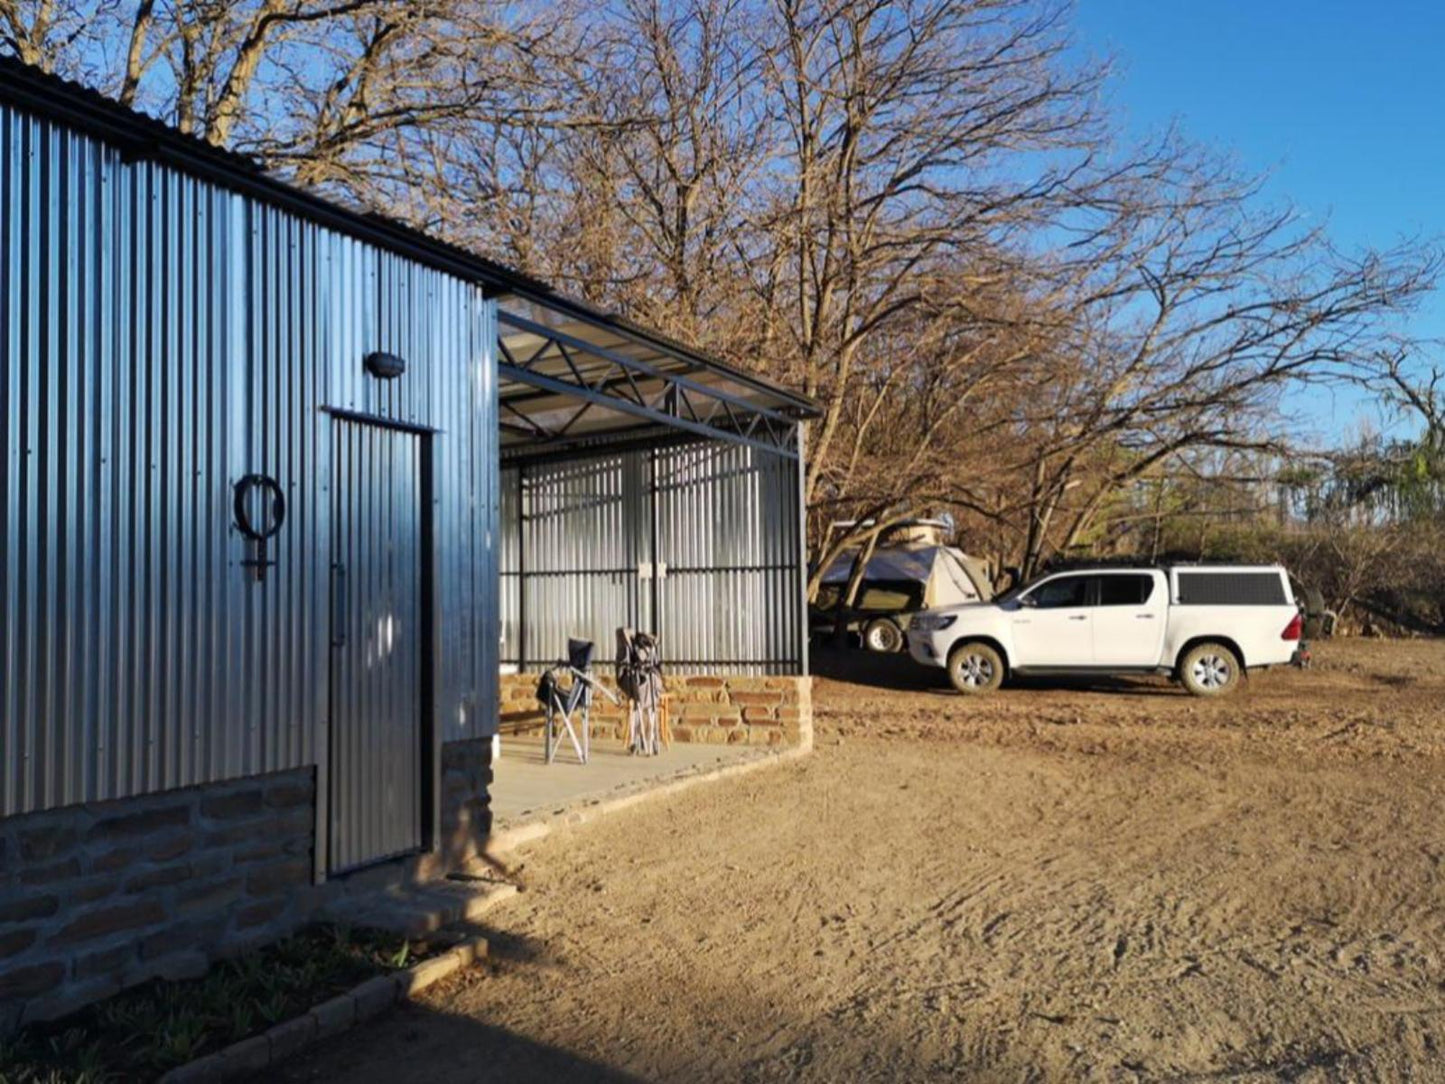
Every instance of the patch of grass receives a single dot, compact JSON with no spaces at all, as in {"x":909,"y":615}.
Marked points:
{"x":141,"y":1033}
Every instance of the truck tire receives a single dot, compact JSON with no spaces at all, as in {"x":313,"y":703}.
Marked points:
{"x":883,"y":636}
{"x":1209,"y":669}
{"x":975,"y":668}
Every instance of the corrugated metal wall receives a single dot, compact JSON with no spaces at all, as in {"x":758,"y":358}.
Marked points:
{"x":582,"y":540}
{"x":728,"y":533}
{"x":163,"y":337}
{"x":587,"y":531}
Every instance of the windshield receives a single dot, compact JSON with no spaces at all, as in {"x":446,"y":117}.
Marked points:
{"x":1012,"y":594}
{"x":1018,"y":589}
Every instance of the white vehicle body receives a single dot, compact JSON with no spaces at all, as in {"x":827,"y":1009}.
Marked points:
{"x":1122,"y":619}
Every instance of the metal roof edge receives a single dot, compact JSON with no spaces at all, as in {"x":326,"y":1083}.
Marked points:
{"x":139,"y":136}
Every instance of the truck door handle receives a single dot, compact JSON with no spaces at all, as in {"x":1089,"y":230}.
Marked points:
{"x":1145,"y":617}
{"x":1081,"y":617}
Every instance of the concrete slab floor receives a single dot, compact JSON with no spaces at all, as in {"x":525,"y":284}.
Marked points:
{"x":527,"y":787}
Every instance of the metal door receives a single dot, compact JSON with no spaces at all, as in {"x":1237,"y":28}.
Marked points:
{"x":376,"y":646}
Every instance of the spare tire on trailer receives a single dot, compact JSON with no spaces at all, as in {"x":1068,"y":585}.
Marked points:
{"x":1316,"y":626}
{"x":883,"y":635}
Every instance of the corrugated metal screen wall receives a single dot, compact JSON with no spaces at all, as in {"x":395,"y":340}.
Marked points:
{"x":163,"y":337}
{"x":698,"y":542}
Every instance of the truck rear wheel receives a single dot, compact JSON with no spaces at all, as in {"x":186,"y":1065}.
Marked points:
{"x":883,"y":636}
{"x":1209,"y":669}
{"x":975,"y":668}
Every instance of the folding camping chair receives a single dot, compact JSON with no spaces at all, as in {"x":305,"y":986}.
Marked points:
{"x":565,"y":691}
{"x":639,"y":676}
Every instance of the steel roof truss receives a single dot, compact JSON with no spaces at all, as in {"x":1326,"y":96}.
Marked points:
{"x":680,"y":403}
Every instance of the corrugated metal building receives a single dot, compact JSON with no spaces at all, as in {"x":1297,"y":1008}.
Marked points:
{"x":283,"y":488}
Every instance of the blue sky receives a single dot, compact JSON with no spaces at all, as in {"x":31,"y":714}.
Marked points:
{"x":1344,"y":103}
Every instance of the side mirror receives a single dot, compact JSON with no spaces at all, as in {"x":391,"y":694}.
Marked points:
{"x":1028,"y":602}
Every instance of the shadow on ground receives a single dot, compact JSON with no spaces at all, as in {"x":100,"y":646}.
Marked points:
{"x":861,"y":667}
{"x":453,"y":1047}
{"x":899,"y":671}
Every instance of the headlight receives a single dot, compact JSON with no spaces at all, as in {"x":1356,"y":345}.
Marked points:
{"x":931,"y":622}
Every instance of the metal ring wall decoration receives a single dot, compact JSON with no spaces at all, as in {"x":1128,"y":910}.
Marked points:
{"x":257,"y":534}
{"x":243,"y":490}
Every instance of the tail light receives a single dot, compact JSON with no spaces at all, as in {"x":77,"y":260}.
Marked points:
{"x":1294,"y":628}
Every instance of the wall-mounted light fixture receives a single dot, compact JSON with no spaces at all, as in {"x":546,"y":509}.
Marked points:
{"x":385,"y":366}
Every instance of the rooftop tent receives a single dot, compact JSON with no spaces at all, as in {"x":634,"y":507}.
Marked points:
{"x":905,"y":578}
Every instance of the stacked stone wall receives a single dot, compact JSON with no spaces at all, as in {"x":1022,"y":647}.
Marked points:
{"x":718,"y":709}
{"x":466,"y":813}
{"x":98,"y":897}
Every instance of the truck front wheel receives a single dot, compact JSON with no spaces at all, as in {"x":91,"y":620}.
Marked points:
{"x":975,"y":668}
{"x":1209,"y":669}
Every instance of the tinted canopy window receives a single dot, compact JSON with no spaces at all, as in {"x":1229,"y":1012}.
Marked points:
{"x":1231,"y":589}
{"x":1125,"y":590}
{"x":1065,"y":591}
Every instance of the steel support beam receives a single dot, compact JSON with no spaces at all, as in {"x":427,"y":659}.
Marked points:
{"x":676,"y":401}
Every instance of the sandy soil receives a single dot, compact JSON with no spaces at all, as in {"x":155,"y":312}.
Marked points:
{"x":1110,"y":883}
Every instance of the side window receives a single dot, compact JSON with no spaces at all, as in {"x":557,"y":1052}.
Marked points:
{"x":1062,"y":592}
{"x":1125,"y":590}
{"x":1238,"y":588}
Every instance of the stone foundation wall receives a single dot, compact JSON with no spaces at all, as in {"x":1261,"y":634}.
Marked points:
{"x":466,"y":813}
{"x":98,"y":897}
{"x":721,"y":710}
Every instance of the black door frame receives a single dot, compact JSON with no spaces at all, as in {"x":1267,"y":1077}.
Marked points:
{"x":429,"y":751}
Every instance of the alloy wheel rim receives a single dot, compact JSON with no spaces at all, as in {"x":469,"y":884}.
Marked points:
{"x":975,"y":670}
{"x":1211,"y":672}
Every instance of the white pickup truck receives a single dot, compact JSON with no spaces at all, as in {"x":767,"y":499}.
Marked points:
{"x":1204,"y":624}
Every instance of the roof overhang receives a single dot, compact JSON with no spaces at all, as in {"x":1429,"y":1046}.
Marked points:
{"x":572,"y":377}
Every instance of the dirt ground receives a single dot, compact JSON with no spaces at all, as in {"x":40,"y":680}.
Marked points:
{"x":1108,"y":882}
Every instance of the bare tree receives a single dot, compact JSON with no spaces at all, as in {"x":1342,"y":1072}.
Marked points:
{"x":330,"y":92}
{"x":682,"y":134}
{"x":40,"y":32}
{"x":914,"y":210}
{"x":1188,"y":314}
{"x":897,"y":119}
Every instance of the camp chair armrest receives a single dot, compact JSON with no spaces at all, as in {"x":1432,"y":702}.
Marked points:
{"x":593,"y":683}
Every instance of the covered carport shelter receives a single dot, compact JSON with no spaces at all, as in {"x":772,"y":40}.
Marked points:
{"x":646,"y":484}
